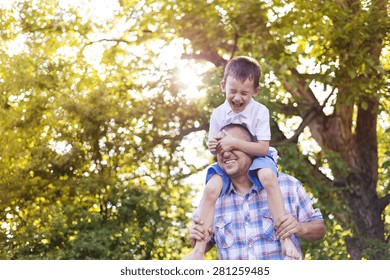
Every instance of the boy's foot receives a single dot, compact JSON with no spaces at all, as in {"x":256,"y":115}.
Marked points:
{"x":289,"y":249}
{"x":194,"y":255}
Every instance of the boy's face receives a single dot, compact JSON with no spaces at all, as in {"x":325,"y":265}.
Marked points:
{"x":238,"y":94}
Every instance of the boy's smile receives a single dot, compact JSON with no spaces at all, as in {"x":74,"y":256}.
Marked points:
{"x":238,"y":94}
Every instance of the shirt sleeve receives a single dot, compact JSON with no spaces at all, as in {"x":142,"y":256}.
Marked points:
{"x":214,"y":127}
{"x":306,"y":212}
{"x":263,"y":130}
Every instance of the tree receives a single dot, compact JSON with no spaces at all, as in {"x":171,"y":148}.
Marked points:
{"x":93,"y":119}
{"x":340,"y":47}
{"x":91,"y":167}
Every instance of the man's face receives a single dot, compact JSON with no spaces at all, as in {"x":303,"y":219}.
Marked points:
{"x":235,"y":163}
{"x":238,"y":94}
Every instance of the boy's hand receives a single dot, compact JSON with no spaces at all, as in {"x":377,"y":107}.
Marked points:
{"x":213,"y":144}
{"x":227,"y":142}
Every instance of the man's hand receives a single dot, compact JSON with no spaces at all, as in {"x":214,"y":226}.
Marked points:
{"x":288,"y":225}
{"x":197,"y":233}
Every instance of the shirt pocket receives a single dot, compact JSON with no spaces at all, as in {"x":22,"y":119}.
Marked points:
{"x":224,"y":231}
{"x":267,"y":226}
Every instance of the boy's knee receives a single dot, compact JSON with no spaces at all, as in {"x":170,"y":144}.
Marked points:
{"x":267,"y":176}
{"x":213,"y":187}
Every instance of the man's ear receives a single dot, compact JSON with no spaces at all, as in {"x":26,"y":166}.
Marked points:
{"x":222,"y":85}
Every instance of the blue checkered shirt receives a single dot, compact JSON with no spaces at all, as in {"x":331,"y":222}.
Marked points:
{"x":244,"y":227}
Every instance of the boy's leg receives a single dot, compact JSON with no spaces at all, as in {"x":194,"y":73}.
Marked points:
{"x":269,"y":180}
{"x":206,"y":214}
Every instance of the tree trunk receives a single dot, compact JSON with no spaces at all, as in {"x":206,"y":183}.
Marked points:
{"x":351,"y":150}
{"x":359,"y":178}
{"x":361,"y":196}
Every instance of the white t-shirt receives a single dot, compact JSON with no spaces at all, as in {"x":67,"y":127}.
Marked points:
{"x":255,"y":117}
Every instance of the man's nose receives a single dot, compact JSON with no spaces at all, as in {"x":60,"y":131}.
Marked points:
{"x":226,"y":154}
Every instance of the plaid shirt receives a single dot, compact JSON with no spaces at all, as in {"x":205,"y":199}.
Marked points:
{"x":244,"y":227}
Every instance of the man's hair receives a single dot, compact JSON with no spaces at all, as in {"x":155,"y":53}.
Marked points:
{"x":249,"y":137}
{"x":243,"y":68}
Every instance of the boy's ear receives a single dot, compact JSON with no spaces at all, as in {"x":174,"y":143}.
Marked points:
{"x":222,"y":85}
{"x":257,"y":90}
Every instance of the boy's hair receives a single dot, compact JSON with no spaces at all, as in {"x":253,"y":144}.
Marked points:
{"x":243,"y":68}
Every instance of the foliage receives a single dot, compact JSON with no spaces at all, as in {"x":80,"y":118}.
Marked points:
{"x":325,"y":66}
{"x":93,"y":117}
{"x":91,"y":168}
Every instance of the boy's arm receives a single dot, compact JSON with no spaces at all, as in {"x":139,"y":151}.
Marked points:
{"x":228,"y":143}
{"x":213,"y":132}
{"x":256,"y":149}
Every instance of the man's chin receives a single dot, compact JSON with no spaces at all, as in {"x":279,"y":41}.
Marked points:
{"x":230,"y":170}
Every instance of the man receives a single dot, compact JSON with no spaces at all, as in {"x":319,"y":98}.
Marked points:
{"x":243,"y":226}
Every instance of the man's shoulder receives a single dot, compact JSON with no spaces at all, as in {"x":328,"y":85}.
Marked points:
{"x":288,"y":180}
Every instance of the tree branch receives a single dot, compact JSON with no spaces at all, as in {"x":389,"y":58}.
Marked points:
{"x":211,"y":56}
{"x":112,"y":40}
{"x":306,"y":120}
{"x":185,"y":132}
{"x":383,"y":202}
{"x":301,"y":89}
{"x":193,"y":168}
{"x":109,"y":40}
{"x":234,"y":48}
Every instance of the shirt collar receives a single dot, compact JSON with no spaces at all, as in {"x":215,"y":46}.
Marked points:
{"x":232,"y":190}
{"x":245,"y":113}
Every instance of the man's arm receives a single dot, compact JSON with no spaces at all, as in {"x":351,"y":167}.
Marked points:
{"x":312,"y":230}
{"x":311,"y":225}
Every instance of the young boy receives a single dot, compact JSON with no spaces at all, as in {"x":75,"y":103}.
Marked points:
{"x":240,"y":84}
